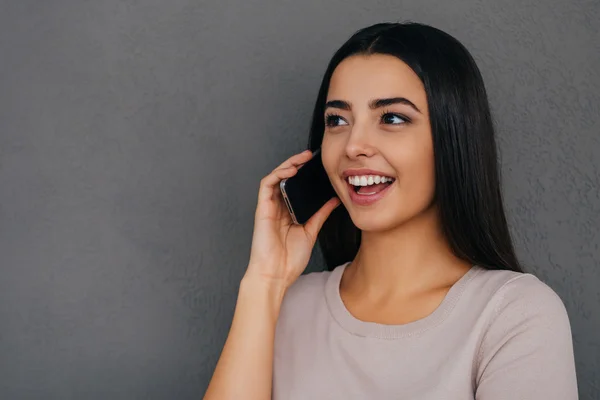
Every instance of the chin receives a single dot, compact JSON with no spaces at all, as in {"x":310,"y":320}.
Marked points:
{"x":374,"y":222}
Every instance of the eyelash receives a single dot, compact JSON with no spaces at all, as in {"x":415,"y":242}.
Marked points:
{"x":329,"y":117}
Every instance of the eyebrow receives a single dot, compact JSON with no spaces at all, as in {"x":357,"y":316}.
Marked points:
{"x":373,"y":104}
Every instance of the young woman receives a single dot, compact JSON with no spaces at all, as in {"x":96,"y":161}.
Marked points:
{"x":424,"y":297}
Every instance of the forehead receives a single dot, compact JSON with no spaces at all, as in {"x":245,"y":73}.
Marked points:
{"x":360,"y":78}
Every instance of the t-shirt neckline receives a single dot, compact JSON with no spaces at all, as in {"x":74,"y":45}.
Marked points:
{"x":358,"y":327}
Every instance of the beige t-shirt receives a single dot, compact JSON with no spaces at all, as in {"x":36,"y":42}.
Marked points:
{"x":496,"y":335}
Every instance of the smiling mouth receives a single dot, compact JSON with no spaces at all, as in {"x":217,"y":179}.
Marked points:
{"x":369,"y":184}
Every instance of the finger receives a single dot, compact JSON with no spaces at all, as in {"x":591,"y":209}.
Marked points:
{"x":268,"y":183}
{"x":315,"y":223}
{"x":297,"y":159}
{"x":283,"y":171}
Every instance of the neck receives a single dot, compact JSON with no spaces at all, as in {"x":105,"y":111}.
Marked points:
{"x":410,"y":258}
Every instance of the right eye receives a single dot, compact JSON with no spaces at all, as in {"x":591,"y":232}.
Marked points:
{"x":332,"y":120}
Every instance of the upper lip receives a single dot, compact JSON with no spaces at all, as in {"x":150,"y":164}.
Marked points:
{"x":362,"y":171}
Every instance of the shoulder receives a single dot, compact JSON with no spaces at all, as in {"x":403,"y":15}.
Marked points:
{"x":516,"y":300}
{"x":307,"y":284}
{"x":527,"y":330}
{"x":507,"y":297}
{"x":305,"y":298}
{"x":522,"y":294}
{"x":307,"y":290}
{"x":528,"y":321}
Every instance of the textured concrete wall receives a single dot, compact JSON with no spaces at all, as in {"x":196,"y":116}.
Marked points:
{"x":133,"y":135}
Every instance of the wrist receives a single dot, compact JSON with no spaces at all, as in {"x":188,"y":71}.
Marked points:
{"x":267,"y":291}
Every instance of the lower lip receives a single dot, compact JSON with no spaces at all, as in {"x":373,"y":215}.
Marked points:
{"x":367,"y":199}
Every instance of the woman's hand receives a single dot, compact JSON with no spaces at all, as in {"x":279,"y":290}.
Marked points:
{"x":280,"y":252}
{"x":281,"y":249}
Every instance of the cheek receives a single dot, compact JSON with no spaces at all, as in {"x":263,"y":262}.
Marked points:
{"x":330,"y":154}
{"x":423,"y":178}
{"x":416,"y":169}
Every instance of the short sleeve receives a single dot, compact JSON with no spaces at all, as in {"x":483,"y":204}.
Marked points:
{"x":527,"y":350}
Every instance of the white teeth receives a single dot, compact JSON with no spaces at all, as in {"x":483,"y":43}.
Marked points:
{"x":367,"y":180}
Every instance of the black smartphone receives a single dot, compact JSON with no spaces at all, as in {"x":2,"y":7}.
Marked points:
{"x":307,"y":191}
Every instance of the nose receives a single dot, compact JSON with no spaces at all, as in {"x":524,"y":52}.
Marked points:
{"x":360,"y":143}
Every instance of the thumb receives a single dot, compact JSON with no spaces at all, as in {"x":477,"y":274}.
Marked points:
{"x":314,"y":224}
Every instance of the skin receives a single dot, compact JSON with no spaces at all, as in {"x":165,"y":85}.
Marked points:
{"x":404,"y":266}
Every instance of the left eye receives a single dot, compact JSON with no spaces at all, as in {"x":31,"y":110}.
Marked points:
{"x":393,"y":119}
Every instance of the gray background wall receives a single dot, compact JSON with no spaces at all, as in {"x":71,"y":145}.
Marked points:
{"x":133,"y":135}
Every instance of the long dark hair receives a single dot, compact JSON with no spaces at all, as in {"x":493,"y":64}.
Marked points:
{"x":467,"y":188}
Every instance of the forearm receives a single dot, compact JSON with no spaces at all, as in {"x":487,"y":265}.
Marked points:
{"x":245,"y":368}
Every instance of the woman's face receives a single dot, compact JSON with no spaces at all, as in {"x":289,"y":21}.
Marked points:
{"x":368,"y":138}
